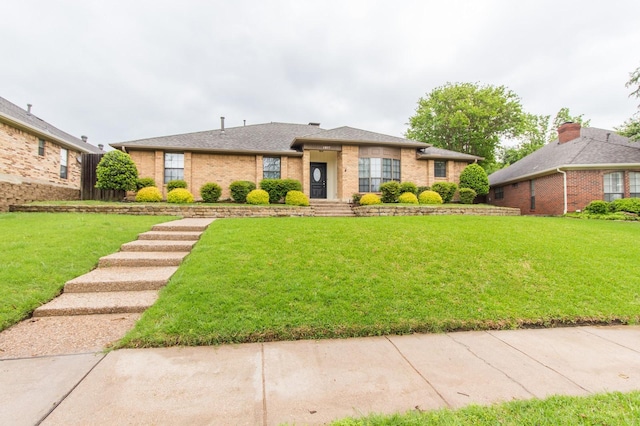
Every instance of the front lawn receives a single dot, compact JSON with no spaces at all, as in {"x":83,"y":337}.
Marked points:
{"x":295,"y":278}
{"x":42,"y":251}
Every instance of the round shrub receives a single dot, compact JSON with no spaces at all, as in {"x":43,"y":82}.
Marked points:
{"x":145,"y":182}
{"x":370,"y":199}
{"x":210,"y":192}
{"x":176,"y":183}
{"x":116,"y":170}
{"x":446,"y":190}
{"x":597,"y":207}
{"x":179,"y":196}
{"x":421,"y":189}
{"x":430,"y":197}
{"x":390,"y":191}
{"x":467,"y":195}
{"x":473,"y":176}
{"x":408,"y":187}
{"x":408,"y":198}
{"x":239,"y":190}
{"x":149,"y":194}
{"x":296,"y":198}
{"x":629,"y":205}
{"x":278,"y":188}
{"x":258,"y":196}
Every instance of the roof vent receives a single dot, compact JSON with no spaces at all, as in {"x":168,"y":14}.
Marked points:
{"x":314,"y":124}
{"x":101,"y":147}
{"x":29,"y":109}
{"x":84,"y":138}
{"x":221,"y":124}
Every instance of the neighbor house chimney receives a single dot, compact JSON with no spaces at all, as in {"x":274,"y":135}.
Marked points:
{"x":29,"y":109}
{"x":221,"y":124}
{"x":568,"y":132}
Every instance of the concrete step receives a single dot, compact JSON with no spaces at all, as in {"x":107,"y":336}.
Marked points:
{"x":184,"y":225}
{"x":158,"y":245}
{"x":135,"y":258}
{"x":121,"y":279}
{"x":171,"y":235}
{"x":98,"y":303}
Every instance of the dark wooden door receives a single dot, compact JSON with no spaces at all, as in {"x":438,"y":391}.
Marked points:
{"x":318,"y":180}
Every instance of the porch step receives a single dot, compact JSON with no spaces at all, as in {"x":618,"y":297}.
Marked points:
{"x":158,"y":245}
{"x":171,"y":235}
{"x":150,"y":258}
{"x":97,"y":303}
{"x":189,"y":225}
{"x":332,"y":209}
{"x":121,"y":279}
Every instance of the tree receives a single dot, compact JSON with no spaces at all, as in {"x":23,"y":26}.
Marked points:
{"x":631,"y":127}
{"x":116,"y":170}
{"x":468,"y":118}
{"x":564,"y":116}
{"x":474,"y":177}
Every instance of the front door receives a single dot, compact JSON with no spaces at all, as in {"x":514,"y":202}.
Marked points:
{"x":318,"y":180}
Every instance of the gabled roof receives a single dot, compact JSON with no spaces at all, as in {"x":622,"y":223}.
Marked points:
{"x":595,"y":148}
{"x":357,"y":136}
{"x":444,"y":154}
{"x":20,"y":118}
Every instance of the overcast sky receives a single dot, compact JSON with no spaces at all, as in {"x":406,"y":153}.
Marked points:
{"x":123,"y":70}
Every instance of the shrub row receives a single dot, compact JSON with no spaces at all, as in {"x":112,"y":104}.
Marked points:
{"x":622,"y":205}
{"x":426,"y":197}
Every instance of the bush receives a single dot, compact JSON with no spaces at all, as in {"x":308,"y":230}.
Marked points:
{"x":629,"y":205}
{"x":473,"y":176}
{"x":176,"y":183}
{"x":370,"y":199}
{"x":149,"y":194}
{"x":144,"y":183}
{"x":278,"y":188}
{"x":239,"y":190}
{"x":446,"y":190}
{"x":296,"y":198}
{"x":210,"y":192}
{"x":421,"y":189}
{"x":467,"y":195}
{"x":390,"y":191}
{"x":430,"y":197}
{"x":408,"y":187}
{"x":258,"y":196}
{"x":356,"y":198}
{"x":597,"y":207}
{"x":116,"y":170}
{"x":180,"y":196}
{"x":408,"y":198}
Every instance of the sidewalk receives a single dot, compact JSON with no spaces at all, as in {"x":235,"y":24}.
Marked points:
{"x":314,"y":382}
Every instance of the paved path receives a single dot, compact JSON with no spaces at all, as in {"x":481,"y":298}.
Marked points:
{"x":313,"y":382}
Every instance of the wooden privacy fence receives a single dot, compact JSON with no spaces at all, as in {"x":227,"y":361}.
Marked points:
{"x":88,"y":178}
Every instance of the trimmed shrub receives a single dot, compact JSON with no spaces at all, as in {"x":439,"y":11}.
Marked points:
{"x":597,"y":207}
{"x":149,"y":194}
{"x":356,"y":198}
{"x":430,"y":197}
{"x":475,"y":177}
{"x":239,"y":190}
{"x":467,"y":195}
{"x":278,"y":188}
{"x":421,"y":189}
{"x":176,"y":183}
{"x":145,"y":183}
{"x":180,"y":196}
{"x":629,"y":205}
{"x":370,"y":199}
{"x":408,"y":187}
{"x":390,"y":191}
{"x":210,"y":192}
{"x":408,"y":198}
{"x":446,"y":190}
{"x":296,"y":198}
{"x":116,"y":170}
{"x":258,"y":196}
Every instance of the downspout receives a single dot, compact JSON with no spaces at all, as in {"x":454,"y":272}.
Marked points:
{"x":564,"y":186}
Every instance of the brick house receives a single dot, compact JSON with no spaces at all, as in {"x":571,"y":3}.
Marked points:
{"x":331,"y":164}
{"x":37,"y":160}
{"x":582,"y":165}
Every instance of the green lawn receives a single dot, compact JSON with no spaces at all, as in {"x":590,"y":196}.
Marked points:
{"x":294,"y":278}
{"x":42,"y":251}
{"x":606,"y":409}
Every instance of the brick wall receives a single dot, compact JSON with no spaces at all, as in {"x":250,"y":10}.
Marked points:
{"x":19,"y":191}
{"x":348,"y":172}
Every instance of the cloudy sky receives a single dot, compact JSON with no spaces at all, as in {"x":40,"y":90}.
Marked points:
{"x":122,"y":70}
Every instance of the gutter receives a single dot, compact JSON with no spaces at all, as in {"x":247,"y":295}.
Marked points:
{"x":564,"y":188}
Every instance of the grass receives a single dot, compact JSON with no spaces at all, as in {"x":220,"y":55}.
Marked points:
{"x":41,"y":251}
{"x":160,"y":204}
{"x":253,"y":280}
{"x":605,"y":409}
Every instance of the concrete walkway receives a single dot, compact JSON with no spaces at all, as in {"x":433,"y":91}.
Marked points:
{"x":314,"y":382}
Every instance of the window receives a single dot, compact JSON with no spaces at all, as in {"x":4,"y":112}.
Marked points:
{"x":41,"y":147}
{"x":532,"y":189}
{"x":634,"y":184}
{"x":440,"y":169}
{"x":613,"y":186}
{"x":499,"y":192}
{"x":372,"y":172}
{"x":173,"y":166}
{"x":271,"y":167}
{"x":64,"y":158}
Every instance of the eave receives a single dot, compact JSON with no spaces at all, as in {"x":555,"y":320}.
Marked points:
{"x":568,"y":167}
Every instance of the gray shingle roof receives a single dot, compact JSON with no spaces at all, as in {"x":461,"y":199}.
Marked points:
{"x":350,"y":134}
{"x":594,"y":148}
{"x":15,"y":114}
{"x":439,"y":153}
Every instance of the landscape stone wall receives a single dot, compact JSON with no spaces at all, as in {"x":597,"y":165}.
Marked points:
{"x":433,"y":211}
{"x":20,"y":192}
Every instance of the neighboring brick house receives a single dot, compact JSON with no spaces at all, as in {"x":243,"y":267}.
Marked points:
{"x":582,"y":165}
{"x":331,"y":164}
{"x":37,"y":160}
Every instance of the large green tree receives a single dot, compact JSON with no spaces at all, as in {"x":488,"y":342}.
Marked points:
{"x":631,"y":127}
{"x":468,"y":118}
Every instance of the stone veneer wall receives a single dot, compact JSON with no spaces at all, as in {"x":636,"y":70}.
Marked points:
{"x":20,"y":191}
{"x":433,"y":211}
